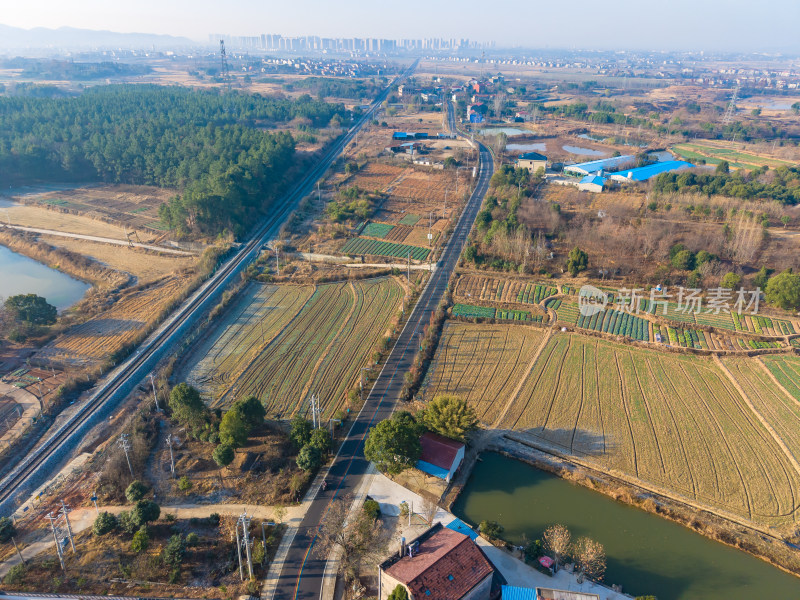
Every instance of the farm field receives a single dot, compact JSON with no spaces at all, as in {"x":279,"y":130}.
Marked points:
{"x":44,"y":218}
{"x":375,"y":176}
{"x":773,"y":403}
{"x":786,"y":370}
{"x":360,"y":245}
{"x":94,"y":341}
{"x":714,"y":155}
{"x":674,"y":421}
{"x":135,"y":207}
{"x":145,"y":266}
{"x":315,"y":340}
{"x":500,"y":290}
{"x":482,"y":363}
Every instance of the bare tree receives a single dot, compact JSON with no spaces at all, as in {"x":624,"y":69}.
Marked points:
{"x":590,"y":557}
{"x":428,"y":510}
{"x":556,"y":539}
{"x":356,"y":536}
{"x":746,"y":239}
{"x":498,"y":104}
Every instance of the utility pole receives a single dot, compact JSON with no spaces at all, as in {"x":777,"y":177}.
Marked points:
{"x":124,"y":443}
{"x":244,"y":522}
{"x":155,"y":396}
{"x":409,"y":267}
{"x":52,"y":518}
{"x":94,"y":501}
{"x":361,"y":383}
{"x":444,"y":207}
{"x":171,"y":456}
{"x":239,"y":552}
{"x":22,"y":560}
{"x":65,"y":511}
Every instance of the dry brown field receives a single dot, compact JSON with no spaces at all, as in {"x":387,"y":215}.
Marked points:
{"x":94,"y":341}
{"x":133,"y":207}
{"x":146,"y":266}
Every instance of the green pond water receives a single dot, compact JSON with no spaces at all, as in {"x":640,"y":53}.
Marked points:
{"x":22,"y":275}
{"x":646,"y":553}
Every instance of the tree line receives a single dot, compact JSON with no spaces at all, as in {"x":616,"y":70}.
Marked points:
{"x":213,"y":146}
{"x":782,"y":185}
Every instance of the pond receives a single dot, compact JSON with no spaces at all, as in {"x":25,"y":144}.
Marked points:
{"x":533,"y":147}
{"x":22,"y":275}
{"x":645,"y":553}
{"x":509,"y":131}
{"x":584,"y":151}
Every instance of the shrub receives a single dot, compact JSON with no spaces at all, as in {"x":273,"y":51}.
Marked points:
{"x":300,"y":432}
{"x":144,"y":512}
{"x":141,"y":540}
{"x":104,"y":523}
{"x":684,"y":260}
{"x":192,"y":539}
{"x":15,"y":575}
{"x":491,"y":529}
{"x":214,"y":519}
{"x":7,"y":529}
{"x":321,"y":440}
{"x":309,"y":458}
{"x":577,"y":261}
{"x":398,"y":593}
{"x":730,"y":281}
{"x":223,"y":455}
{"x":136,"y":491}
{"x":233,"y":429}
{"x":372,"y":508}
{"x":259,"y":555}
{"x":172,"y":554}
{"x":184,"y":484}
{"x":127,"y":522}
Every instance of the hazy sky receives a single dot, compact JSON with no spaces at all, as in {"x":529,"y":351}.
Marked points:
{"x":666,"y":24}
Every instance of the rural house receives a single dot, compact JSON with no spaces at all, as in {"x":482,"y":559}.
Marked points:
{"x":441,"y":456}
{"x":441,"y":564}
{"x":532,"y":161}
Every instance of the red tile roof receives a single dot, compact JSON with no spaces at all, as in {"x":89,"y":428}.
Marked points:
{"x":439,"y":450}
{"x":446,"y":566}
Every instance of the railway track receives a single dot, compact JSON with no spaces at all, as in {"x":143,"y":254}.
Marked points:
{"x":38,"y":465}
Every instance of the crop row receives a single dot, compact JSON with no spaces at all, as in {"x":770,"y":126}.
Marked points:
{"x":502,"y":290}
{"x":361,"y":245}
{"x":519,"y":315}
{"x":670,"y":420}
{"x":471,"y":311}
{"x":616,"y":323}
{"x":378,"y":230}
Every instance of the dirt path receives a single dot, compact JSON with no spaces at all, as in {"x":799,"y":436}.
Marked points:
{"x":102,"y":240}
{"x":515,"y":393}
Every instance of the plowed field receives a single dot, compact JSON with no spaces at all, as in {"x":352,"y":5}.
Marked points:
{"x":315,"y":340}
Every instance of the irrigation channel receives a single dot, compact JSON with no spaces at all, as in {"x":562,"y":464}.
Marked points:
{"x":646,"y":554}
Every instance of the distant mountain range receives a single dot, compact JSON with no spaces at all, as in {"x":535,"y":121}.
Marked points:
{"x":70,"y":37}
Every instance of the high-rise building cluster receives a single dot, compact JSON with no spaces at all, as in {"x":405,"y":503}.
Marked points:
{"x":313,"y":43}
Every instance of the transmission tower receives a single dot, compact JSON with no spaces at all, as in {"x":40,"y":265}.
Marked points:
{"x":728,"y":116}
{"x":223,"y":56}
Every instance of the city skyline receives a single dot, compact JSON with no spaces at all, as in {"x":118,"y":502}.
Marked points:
{"x":623,"y":24}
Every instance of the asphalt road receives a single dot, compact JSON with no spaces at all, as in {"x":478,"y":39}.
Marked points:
{"x":302,"y":573}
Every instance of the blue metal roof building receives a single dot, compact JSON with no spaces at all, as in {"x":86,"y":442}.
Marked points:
{"x":511,"y":592}
{"x":461,"y":527}
{"x":594,"y":179}
{"x":650,"y":171}
{"x":598,"y":165}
